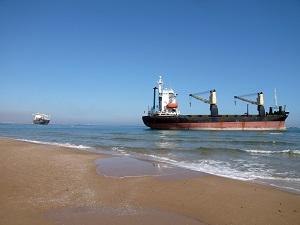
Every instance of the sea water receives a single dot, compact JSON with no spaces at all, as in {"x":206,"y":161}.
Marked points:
{"x":263,"y":156}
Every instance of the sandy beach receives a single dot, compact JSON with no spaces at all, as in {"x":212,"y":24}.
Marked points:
{"x":44,"y":184}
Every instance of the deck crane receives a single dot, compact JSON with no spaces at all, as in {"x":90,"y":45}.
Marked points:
{"x":212,"y":100}
{"x":259,"y":102}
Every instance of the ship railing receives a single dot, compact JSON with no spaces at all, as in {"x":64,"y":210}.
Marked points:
{"x":163,"y":114}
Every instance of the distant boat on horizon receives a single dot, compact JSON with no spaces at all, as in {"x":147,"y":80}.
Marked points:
{"x":41,"y":118}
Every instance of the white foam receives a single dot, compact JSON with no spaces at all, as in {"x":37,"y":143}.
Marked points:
{"x":279,"y":178}
{"x":67,"y":145}
{"x":162,"y":159}
{"x":296,"y":151}
{"x":296,"y":190}
{"x":119,"y":151}
{"x":272,"y":152}
{"x":208,"y":166}
{"x":217,"y":168}
{"x":224,"y":169}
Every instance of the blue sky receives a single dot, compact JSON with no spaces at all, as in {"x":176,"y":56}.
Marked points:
{"x":97,"y":61}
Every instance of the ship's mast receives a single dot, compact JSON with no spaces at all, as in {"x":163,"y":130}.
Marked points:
{"x":275,"y":99}
{"x":160,"y":92}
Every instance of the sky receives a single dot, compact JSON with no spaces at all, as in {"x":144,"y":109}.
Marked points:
{"x":96,"y":62}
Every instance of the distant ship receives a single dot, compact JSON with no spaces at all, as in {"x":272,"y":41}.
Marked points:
{"x":40,"y":118}
{"x":166,"y":114}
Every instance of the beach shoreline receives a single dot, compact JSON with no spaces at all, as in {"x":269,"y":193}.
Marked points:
{"x":45,"y":184}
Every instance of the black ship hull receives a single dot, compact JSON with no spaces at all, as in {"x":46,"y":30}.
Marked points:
{"x":221,"y":122}
{"x":41,"y":122}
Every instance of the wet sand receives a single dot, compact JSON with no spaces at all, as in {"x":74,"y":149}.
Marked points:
{"x":42,"y":184}
{"x":127,"y":167}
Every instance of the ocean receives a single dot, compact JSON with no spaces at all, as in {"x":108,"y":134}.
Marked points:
{"x":266,"y":157}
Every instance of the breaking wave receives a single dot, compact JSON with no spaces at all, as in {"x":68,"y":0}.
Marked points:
{"x":224,"y":169}
{"x":218,"y":150}
{"x":288,"y":151}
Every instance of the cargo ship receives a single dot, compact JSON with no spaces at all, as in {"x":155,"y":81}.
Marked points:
{"x":40,"y":118}
{"x":166,"y":114}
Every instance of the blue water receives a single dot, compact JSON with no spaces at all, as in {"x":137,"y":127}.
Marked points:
{"x":268,"y":157}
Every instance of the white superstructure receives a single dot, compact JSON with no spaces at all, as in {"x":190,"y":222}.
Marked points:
{"x":167,"y":104}
{"x":40,"y":116}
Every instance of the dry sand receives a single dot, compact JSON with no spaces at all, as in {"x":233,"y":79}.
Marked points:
{"x":42,"y":184}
